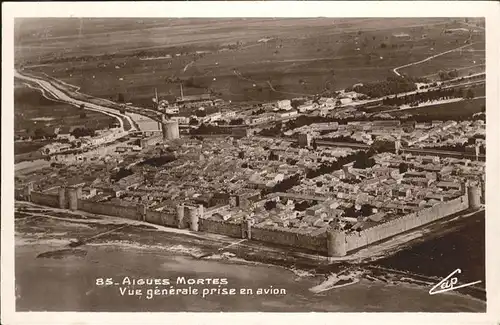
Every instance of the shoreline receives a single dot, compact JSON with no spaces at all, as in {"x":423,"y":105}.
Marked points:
{"x":211,"y":247}
{"x":85,"y":262}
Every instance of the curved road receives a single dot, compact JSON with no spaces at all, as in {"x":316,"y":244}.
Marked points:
{"x":47,"y":87}
{"x":395,"y":70}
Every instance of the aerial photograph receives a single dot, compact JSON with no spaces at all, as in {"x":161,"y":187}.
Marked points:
{"x":250,"y":164}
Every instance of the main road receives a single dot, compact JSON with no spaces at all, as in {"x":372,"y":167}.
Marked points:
{"x":55,"y":93}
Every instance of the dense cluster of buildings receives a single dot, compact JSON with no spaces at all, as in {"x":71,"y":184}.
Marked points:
{"x":241,"y":179}
{"x":279,"y":184}
{"x":434,"y":134}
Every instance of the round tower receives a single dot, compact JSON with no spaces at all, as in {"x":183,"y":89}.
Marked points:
{"x":336,"y":243}
{"x":62,"y":198}
{"x":172,"y":130}
{"x":73,"y":198}
{"x":201,"y":210}
{"x":474,"y":197}
{"x":193,"y":218}
{"x":246,"y":228}
{"x":180,"y":215}
{"x":27,"y":191}
{"x":141,"y":212}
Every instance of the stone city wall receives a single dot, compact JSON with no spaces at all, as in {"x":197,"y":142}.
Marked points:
{"x":290,"y":237}
{"x":336,"y":245}
{"x":19,"y":194}
{"x":407,"y":222}
{"x":109,"y":209}
{"x":50,"y":200}
{"x":161,"y":218}
{"x":220,"y":227}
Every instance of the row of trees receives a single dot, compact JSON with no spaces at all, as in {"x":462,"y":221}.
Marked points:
{"x":114,"y":56}
{"x":158,"y":161}
{"x":447,"y":75}
{"x":82,"y":132}
{"x":329,"y":167}
{"x":438,"y":94}
{"x":393,"y":85}
{"x":284,"y":185}
{"x":210,"y":129}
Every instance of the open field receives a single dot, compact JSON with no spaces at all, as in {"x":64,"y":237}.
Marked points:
{"x":470,"y":59}
{"x":33,"y":111}
{"x":301,"y":57}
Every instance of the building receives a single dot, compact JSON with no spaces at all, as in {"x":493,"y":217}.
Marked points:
{"x":263,"y":118}
{"x":288,"y":114}
{"x":170,"y":130}
{"x":285,"y":104}
{"x":305,"y":139}
{"x":180,"y":119}
{"x":195,"y":100}
{"x":386,"y":123}
{"x":240,"y":132}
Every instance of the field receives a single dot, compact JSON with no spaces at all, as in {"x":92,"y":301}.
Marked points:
{"x":243,"y":60}
{"x":468,"y":60}
{"x":33,"y":111}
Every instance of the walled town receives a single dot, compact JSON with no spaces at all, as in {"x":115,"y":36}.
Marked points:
{"x":295,"y":188}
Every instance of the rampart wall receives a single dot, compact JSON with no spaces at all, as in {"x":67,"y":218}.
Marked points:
{"x":109,"y":209}
{"x":405,"y":223}
{"x":290,"y":237}
{"x":19,"y":194}
{"x":220,"y":227}
{"x":161,"y":218}
{"x":50,"y":200}
{"x":319,"y":242}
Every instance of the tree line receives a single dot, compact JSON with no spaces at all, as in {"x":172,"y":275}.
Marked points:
{"x":392,"y":85}
{"x":433,"y":95}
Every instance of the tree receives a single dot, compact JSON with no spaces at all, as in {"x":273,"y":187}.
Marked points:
{"x":470,"y":94}
{"x":366,"y":210}
{"x":363,"y":161}
{"x":380,"y":146}
{"x":40,"y":133}
{"x":383,"y":46}
{"x":237,"y":121}
{"x":200,"y":113}
{"x":193,"y":121}
{"x":403,"y":168}
{"x":83,"y":115}
{"x":273,"y":156}
{"x":351,"y":212}
{"x":314,"y":144}
{"x":82,"y":132}
{"x":82,"y":106}
{"x":269,"y":205}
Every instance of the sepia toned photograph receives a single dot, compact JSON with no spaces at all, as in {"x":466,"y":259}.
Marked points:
{"x":292,"y":164}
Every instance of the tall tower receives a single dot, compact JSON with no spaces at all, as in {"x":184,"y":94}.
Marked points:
{"x":182,"y":92}
{"x":477,"y":150}
{"x":336,"y":243}
{"x":474,"y":196}
{"x":397,"y":145}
